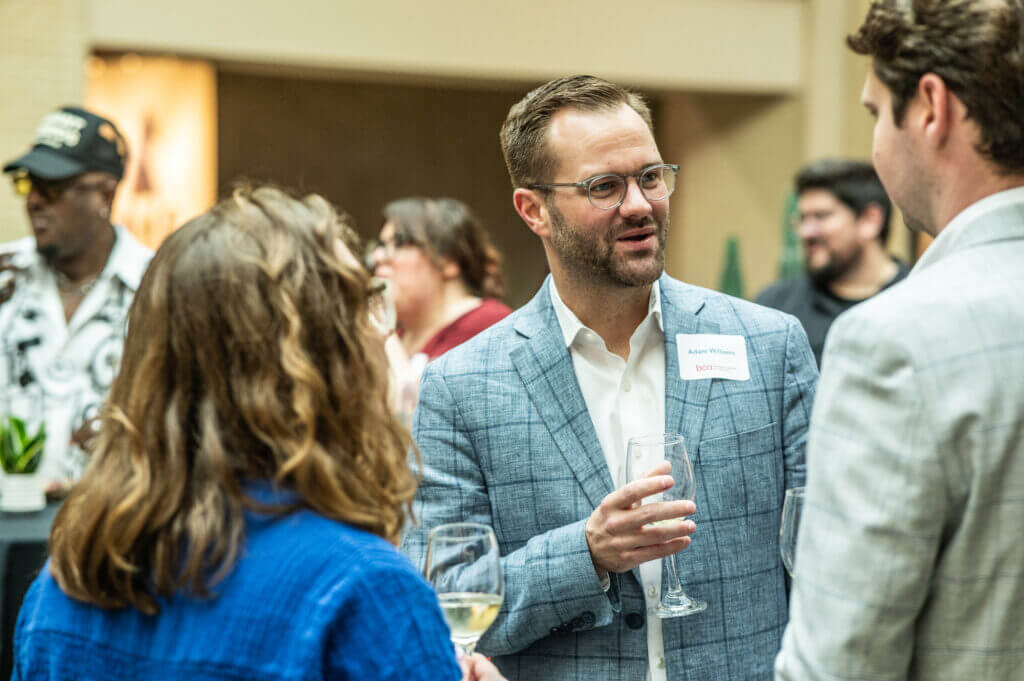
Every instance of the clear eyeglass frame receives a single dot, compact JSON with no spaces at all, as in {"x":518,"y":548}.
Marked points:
{"x":607,"y":191}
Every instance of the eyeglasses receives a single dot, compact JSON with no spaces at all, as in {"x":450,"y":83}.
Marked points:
{"x":51,"y":190}
{"x":608,"y":191}
{"x":389,"y":248}
{"x":815,"y":217}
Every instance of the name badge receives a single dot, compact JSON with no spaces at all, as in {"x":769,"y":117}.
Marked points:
{"x":710,"y":355}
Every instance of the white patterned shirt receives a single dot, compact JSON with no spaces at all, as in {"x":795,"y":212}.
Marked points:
{"x":55,"y":371}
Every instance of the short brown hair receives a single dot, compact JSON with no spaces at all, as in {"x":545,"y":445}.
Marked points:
{"x":447,"y":228}
{"x":250,"y":356}
{"x":975,"y":46}
{"x":524,"y":133}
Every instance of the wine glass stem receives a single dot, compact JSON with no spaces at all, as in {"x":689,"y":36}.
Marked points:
{"x":675,"y":587}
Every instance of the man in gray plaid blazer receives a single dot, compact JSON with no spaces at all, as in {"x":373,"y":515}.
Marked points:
{"x":524,"y":428}
{"x":910,"y":556}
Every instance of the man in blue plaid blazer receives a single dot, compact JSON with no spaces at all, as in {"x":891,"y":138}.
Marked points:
{"x":524,"y":427}
{"x":910,"y":556}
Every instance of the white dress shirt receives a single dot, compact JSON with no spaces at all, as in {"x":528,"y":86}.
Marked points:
{"x":55,"y":371}
{"x":625,"y":398}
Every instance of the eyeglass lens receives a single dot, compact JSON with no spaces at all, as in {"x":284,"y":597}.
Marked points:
{"x":608,"y":191}
{"x":50,"y":190}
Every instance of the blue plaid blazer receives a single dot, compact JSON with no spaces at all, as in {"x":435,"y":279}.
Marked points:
{"x":507,"y":440}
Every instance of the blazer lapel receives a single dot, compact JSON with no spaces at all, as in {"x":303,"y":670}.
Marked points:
{"x":686,"y":402}
{"x":547,"y":373}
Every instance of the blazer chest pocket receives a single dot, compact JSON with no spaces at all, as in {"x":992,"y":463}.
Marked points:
{"x":739,"y":473}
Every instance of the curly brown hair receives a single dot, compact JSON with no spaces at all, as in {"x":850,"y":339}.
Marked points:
{"x":975,"y":46}
{"x":249,"y":357}
{"x":447,"y":228}
{"x":524,"y":133}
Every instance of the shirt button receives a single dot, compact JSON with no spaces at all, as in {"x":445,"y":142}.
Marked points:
{"x":627,"y":384}
{"x":652,"y":592}
{"x":660,"y":664}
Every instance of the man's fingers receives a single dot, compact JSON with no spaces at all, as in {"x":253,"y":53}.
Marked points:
{"x":644,"y":554}
{"x":634,"y":492}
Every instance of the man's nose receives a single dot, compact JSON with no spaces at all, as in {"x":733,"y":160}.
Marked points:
{"x":634,"y":203}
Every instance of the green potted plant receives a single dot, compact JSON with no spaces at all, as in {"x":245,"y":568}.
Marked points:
{"x":20,"y":455}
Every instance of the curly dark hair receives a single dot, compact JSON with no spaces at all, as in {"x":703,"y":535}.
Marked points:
{"x":975,"y":46}
{"x":854,"y":183}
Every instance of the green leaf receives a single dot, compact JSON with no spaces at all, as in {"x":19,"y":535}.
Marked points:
{"x":19,"y":452}
{"x":19,"y":428}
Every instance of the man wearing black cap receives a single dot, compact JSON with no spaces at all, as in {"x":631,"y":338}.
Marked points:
{"x":65,"y":292}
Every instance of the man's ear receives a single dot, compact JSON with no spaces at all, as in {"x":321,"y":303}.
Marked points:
{"x":869,"y":222}
{"x":933,"y":108}
{"x":532,"y":209}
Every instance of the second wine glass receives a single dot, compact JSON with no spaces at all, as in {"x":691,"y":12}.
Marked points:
{"x":792,"y":507}
{"x":464,"y":567}
{"x":642,"y":454}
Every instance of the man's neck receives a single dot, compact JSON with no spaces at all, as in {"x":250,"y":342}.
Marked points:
{"x":612,"y":312}
{"x":90,"y":263}
{"x":867,"y":277}
{"x":957,"y":194}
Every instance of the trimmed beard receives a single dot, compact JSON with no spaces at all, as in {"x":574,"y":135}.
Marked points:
{"x":582,"y":255}
{"x":835,"y":268}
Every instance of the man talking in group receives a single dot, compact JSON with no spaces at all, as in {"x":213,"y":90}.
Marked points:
{"x":524,"y":428}
{"x":910,"y":559}
{"x":843,"y":222}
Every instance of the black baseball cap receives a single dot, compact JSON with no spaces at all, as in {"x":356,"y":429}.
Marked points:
{"x":71,"y":141}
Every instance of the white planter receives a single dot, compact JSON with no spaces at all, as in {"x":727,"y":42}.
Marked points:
{"x":21,"y":493}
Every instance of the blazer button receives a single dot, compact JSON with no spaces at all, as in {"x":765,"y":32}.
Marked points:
{"x":635,"y":620}
{"x":586,"y":620}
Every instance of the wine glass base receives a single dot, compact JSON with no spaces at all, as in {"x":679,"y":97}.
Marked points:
{"x":679,"y":606}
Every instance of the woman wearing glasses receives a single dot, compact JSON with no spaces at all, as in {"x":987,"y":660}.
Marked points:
{"x":445,"y":275}
{"x":249,"y":479}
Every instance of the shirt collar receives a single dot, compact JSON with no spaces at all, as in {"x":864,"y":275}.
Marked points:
{"x":978,"y":209}
{"x":128,"y":259}
{"x":571,"y":326}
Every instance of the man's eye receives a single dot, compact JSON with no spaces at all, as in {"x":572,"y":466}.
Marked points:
{"x":652,"y":178}
{"x":606,"y":186}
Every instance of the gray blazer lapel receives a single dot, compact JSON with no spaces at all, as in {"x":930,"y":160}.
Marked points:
{"x":686,"y":402}
{"x":545,"y":367}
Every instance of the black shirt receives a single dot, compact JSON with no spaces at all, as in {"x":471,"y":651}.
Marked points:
{"x":815,"y":307}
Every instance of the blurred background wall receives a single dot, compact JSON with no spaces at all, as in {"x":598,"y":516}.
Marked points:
{"x":366,"y":102}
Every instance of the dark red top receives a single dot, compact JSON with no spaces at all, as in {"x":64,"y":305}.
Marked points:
{"x":465,"y":327}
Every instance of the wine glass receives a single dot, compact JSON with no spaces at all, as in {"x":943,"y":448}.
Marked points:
{"x":382,"y":306}
{"x":792,"y":506}
{"x":642,"y":454}
{"x":464,"y":567}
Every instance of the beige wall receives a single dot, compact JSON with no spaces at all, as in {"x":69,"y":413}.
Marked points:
{"x":737,"y":45}
{"x":737,"y":154}
{"x":43,"y":47}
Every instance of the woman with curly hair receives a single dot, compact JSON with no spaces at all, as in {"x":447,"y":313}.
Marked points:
{"x":249,"y":480}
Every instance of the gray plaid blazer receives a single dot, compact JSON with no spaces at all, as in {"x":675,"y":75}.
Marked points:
{"x":506,"y":440}
{"x":910,"y":557}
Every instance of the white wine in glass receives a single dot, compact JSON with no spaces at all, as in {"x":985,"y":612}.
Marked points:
{"x":642,"y":454}
{"x":464,"y":567}
{"x":792,"y":507}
